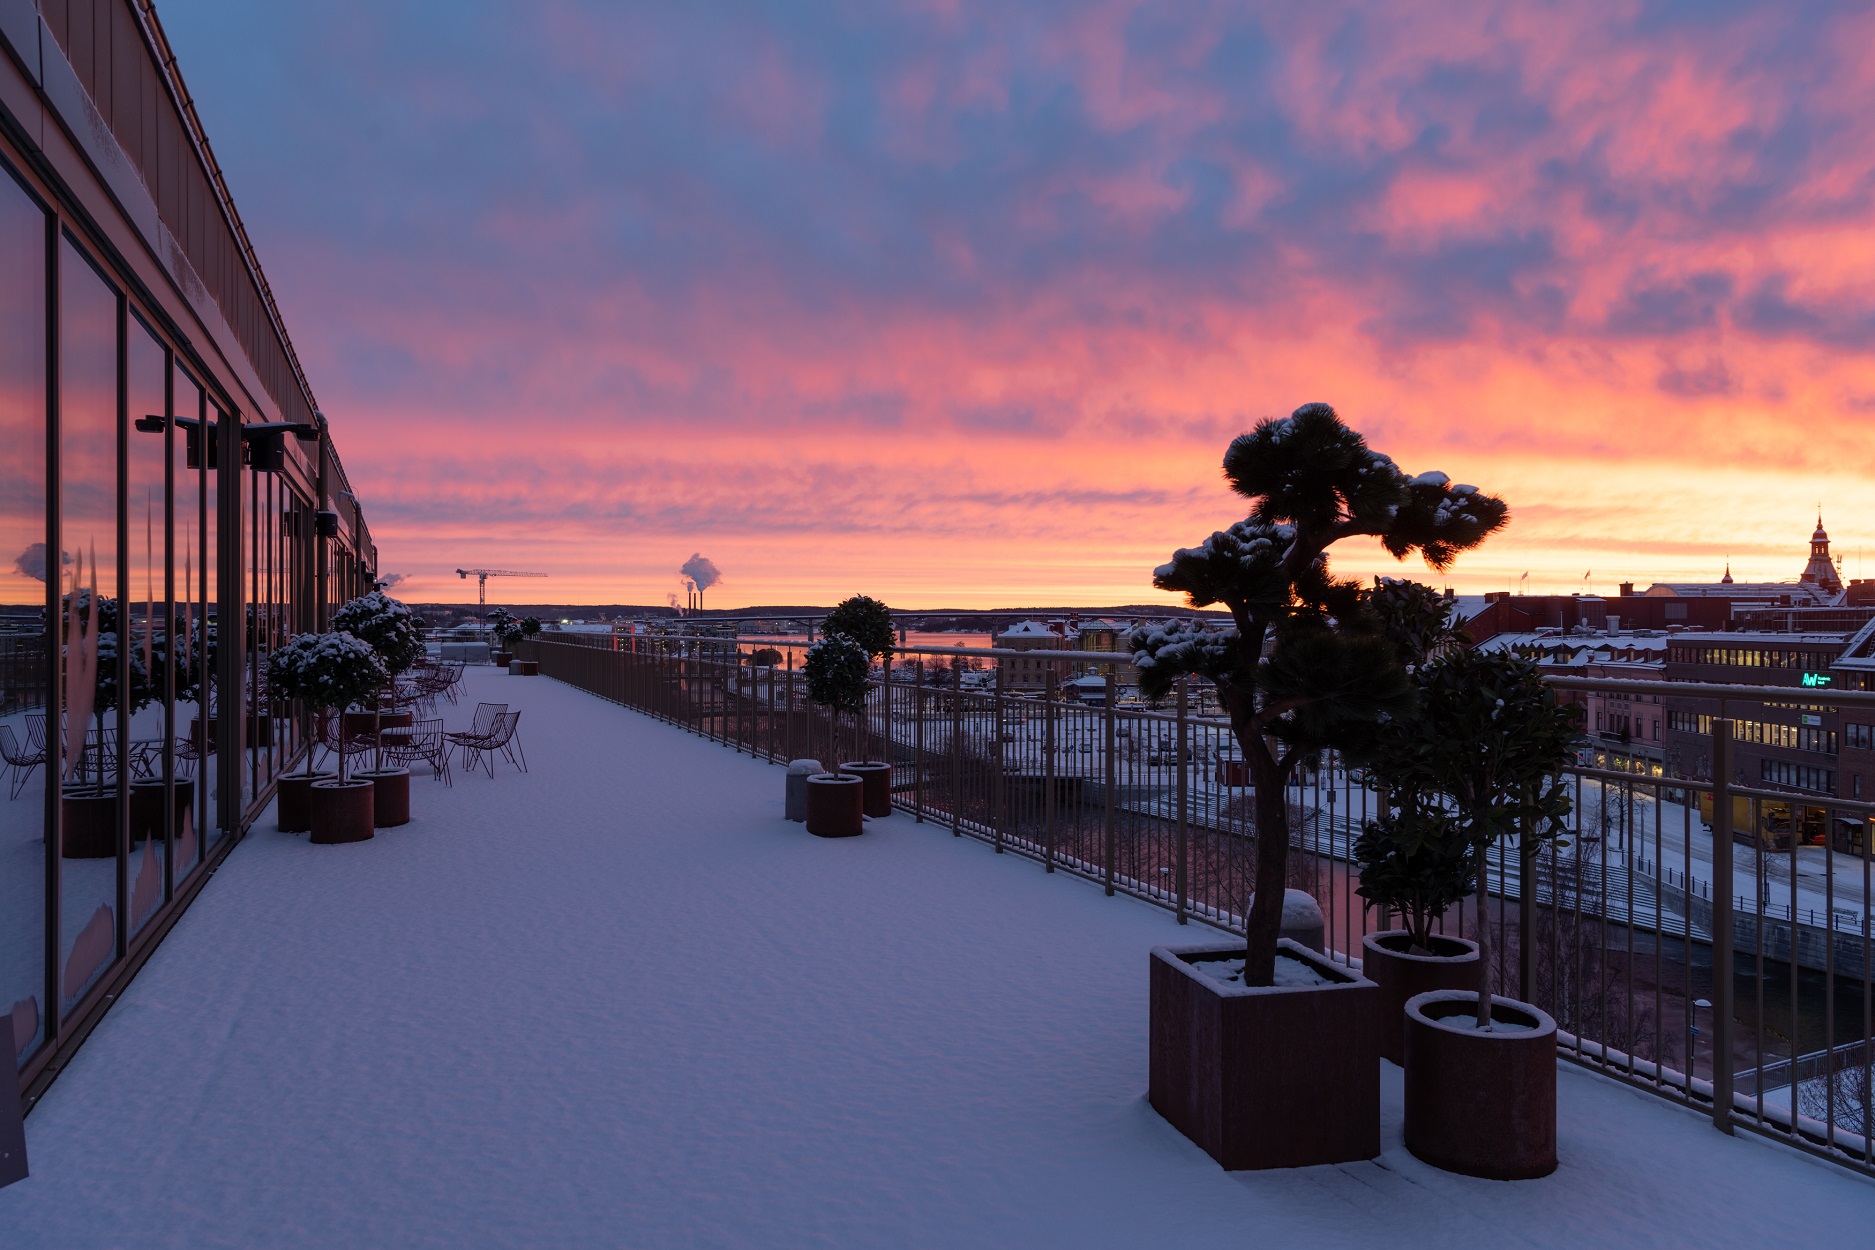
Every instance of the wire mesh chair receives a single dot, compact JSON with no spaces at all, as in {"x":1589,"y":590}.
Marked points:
{"x":499,"y":740}
{"x":22,"y":760}
{"x":423,"y":741}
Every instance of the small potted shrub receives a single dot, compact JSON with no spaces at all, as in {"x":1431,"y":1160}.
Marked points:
{"x":836,"y":670}
{"x":868,"y":623}
{"x":1278,"y":1065}
{"x":1413,"y":860}
{"x":530,"y":630}
{"x":1481,"y":1070}
{"x":331,"y":671}
{"x":507,"y":632}
{"x":393,"y":631}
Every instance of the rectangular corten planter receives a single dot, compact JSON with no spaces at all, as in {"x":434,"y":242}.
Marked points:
{"x":1267,"y":1076}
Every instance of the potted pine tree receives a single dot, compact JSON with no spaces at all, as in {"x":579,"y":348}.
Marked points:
{"x":868,"y":623}
{"x":836,"y":670}
{"x":1481,"y":1070}
{"x":392,"y":630}
{"x":1412,"y":860}
{"x":326,"y":671}
{"x":1279,"y":1067}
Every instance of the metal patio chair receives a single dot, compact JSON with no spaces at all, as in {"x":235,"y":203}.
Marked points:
{"x":22,"y":760}
{"x":499,"y":740}
{"x":423,"y":741}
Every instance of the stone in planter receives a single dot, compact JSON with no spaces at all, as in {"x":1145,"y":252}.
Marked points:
{"x":1302,"y":920}
{"x":1386,"y":960}
{"x":390,"y":795}
{"x":1482,"y":1104}
{"x":876,"y":779}
{"x":835,"y":806}
{"x":293,"y":800}
{"x":798,"y":773}
{"x":1266,"y":1076}
{"x":90,"y":823}
{"x":342,"y":811}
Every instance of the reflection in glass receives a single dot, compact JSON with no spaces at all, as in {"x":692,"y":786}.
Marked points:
{"x":24,"y":567}
{"x":148,"y":751}
{"x":194,"y":765}
{"x":102,"y":678}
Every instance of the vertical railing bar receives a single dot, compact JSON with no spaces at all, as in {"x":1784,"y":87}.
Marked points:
{"x":1179,"y":748}
{"x":1722,"y":882}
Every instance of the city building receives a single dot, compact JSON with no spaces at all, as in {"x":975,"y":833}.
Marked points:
{"x":172,"y":507}
{"x":1033,"y":675}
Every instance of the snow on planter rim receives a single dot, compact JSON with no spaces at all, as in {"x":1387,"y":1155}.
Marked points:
{"x":1471,"y":947}
{"x":1339,"y":976}
{"x":1416,"y":1005}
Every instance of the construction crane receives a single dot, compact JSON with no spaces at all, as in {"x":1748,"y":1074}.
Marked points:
{"x":481,"y":577}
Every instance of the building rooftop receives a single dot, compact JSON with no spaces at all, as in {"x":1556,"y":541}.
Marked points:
{"x":618,"y":1000}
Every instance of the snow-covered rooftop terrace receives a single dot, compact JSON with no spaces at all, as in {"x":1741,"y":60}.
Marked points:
{"x":619,"y":1001}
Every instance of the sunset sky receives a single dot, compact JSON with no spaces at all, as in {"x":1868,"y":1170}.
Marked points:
{"x":960,"y":303}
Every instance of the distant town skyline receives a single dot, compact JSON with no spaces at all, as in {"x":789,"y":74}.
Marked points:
{"x":960,"y":304}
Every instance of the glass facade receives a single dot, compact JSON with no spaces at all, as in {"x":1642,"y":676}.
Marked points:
{"x":155,"y":548}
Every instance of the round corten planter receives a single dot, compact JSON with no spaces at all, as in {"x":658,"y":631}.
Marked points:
{"x":146,"y":806}
{"x":341,"y":811}
{"x":835,"y":806}
{"x":293,"y":800}
{"x":396,"y":720}
{"x":1482,"y":1104}
{"x":1387,"y":961}
{"x":390,"y":802}
{"x":876,"y":785}
{"x":361,"y":723}
{"x":90,"y":821}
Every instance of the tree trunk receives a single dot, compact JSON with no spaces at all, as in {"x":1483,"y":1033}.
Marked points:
{"x":1484,"y":938}
{"x":1264,"y":923}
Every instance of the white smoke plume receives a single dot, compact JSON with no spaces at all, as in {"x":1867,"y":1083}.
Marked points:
{"x":390,"y":581}
{"x":32,"y":561}
{"x":700,"y":572}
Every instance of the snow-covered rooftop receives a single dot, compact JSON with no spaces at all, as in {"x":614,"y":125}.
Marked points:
{"x":620,"y":1001}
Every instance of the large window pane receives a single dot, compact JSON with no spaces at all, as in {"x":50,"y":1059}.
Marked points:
{"x":24,"y":566}
{"x":195,"y":762}
{"x":147,"y":613}
{"x":213,"y":421}
{"x":95,"y":694}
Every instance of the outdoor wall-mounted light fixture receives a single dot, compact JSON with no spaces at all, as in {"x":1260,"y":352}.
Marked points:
{"x":326,"y":523}
{"x":264,"y":442}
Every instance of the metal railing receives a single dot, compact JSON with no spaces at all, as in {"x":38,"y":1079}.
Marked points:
{"x":1729,"y":976}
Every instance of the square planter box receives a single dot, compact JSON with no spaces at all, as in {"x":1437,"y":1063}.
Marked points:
{"x":1266,"y":1076}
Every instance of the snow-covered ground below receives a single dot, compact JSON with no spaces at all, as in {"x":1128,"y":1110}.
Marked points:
{"x":619,"y":1001}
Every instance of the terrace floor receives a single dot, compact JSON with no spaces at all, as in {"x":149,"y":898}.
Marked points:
{"x":620,"y":1001}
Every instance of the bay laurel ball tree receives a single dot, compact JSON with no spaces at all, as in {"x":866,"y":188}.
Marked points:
{"x":1304,"y":664}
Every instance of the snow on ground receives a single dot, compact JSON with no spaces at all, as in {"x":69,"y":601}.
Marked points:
{"x":620,"y":1002}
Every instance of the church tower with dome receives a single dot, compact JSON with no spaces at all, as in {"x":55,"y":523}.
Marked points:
{"x":1821,"y":571}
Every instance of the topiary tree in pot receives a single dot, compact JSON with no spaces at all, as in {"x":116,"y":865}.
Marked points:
{"x":327,"y":672}
{"x":836,"y":668}
{"x":1488,"y":747}
{"x":868,"y":623}
{"x":331,"y":671}
{"x":1305,"y":665}
{"x":1287,"y":1074}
